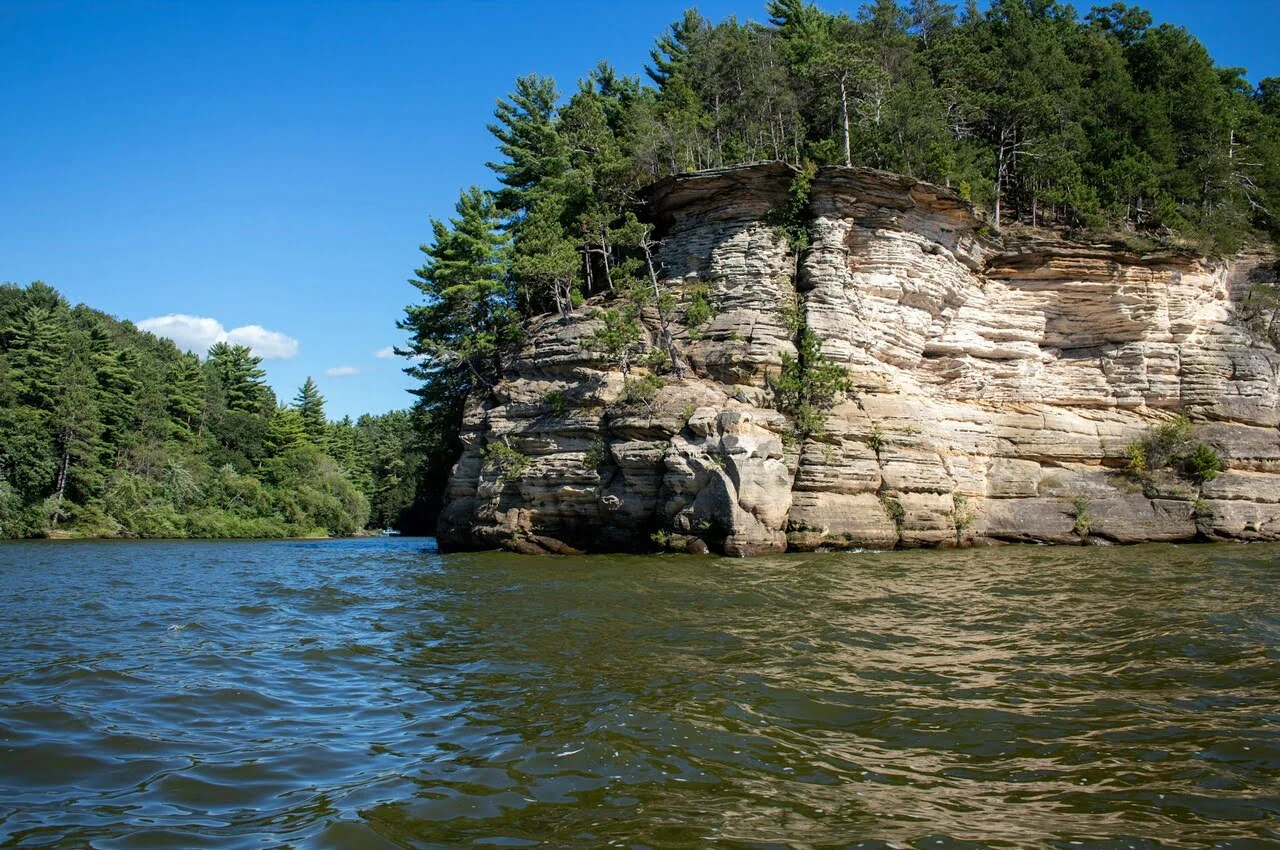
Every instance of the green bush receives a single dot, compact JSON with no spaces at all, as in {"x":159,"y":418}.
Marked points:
{"x":1203,"y":464}
{"x":511,"y":463}
{"x":1085,"y":520}
{"x":894,"y":509}
{"x":876,"y":441}
{"x":656,"y":360}
{"x":595,"y":454}
{"x":792,"y":314}
{"x":961,"y":513}
{"x":16,"y":519}
{"x":619,"y":337}
{"x":1136,"y":456}
{"x":641,"y":390}
{"x":808,"y":384}
{"x":556,"y":401}
{"x":1168,"y":441}
{"x":791,"y":221}
{"x":699,"y":310}
{"x":1174,"y":443}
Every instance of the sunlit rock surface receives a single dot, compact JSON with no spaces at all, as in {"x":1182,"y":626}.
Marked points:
{"x":996,"y":387}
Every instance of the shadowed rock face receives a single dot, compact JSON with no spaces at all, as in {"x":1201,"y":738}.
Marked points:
{"x":996,"y":388}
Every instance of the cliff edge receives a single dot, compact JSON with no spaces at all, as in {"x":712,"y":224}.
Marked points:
{"x":997,"y":389}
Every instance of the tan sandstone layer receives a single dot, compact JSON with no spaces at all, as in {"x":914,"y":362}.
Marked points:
{"x":996,"y":386}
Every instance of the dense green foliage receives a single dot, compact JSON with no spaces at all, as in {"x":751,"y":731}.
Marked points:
{"x":108,"y":430}
{"x":1038,"y":115}
{"x":1174,"y":444}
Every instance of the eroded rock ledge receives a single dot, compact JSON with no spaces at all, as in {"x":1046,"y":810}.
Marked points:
{"x":996,"y":387}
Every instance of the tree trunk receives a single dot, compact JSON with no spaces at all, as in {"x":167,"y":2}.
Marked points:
{"x":604,"y":250}
{"x":999,"y":179}
{"x":564,"y":297}
{"x":844,"y":117}
{"x":668,"y":342}
{"x":60,"y":486}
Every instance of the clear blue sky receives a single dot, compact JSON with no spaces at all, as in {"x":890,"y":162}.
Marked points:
{"x":274,"y":164}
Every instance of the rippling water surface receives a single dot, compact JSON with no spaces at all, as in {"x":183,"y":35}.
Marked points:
{"x":371,"y":694}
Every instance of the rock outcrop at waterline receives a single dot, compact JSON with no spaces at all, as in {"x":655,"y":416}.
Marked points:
{"x":997,"y":387}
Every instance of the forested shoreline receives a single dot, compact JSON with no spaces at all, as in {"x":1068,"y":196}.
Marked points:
{"x":110,"y":431}
{"x":1104,"y":123}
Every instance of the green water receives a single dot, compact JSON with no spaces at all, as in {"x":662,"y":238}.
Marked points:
{"x":369,"y":694}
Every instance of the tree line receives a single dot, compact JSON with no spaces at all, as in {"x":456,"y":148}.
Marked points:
{"x":1105,"y":122}
{"x":111,"y":431}
{"x":1037,"y":114}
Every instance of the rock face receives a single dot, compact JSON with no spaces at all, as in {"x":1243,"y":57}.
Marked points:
{"x":996,"y":389}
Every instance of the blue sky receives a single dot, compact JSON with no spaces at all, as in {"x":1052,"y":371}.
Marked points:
{"x":270,"y":167}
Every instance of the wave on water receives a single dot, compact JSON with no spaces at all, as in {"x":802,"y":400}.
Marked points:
{"x":377,"y":694}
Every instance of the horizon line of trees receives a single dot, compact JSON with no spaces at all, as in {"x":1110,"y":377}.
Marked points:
{"x":112,"y":431}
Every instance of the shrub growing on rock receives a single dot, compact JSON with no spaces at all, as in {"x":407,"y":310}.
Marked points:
{"x":1203,"y":464}
{"x":1084,"y":518}
{"x":511,"y":463}
{"x":1174,"y":444}
{"x":808,"y":384}
{"x":641,"y":390}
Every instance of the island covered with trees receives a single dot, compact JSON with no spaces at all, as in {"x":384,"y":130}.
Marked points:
{"x":1105,"y":125}
{"x":1039,"y":116}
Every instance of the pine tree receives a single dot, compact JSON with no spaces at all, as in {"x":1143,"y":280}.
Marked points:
{"x":930,"y":19}
{"x":467,"y":315}
{"x":185,"y":401}
{"x":527,"y":136}
{"x":545,"y":259}
{"x":310,"y":406}
{"x":239,"y":375}
{"x":40,"y":346}
{"x":116,"y":375}
{"x":795,"y":20}
{"x":77,"y":429}
{"x":349,"y":447}
{"x":286,"y":429}
{"x":671,"y":53}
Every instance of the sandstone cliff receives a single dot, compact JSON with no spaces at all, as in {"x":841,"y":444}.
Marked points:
{"x":996,"y":387}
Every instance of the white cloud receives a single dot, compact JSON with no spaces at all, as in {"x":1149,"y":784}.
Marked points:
{"x":192,"y":333}
{"x":269,"y":345}
{"x":198,"y":333}
{"x":342,"y":371}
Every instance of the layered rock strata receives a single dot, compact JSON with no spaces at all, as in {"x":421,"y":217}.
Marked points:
{"x":997,"y":386}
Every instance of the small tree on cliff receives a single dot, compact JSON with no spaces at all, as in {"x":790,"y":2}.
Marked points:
{"x":808,"y":384}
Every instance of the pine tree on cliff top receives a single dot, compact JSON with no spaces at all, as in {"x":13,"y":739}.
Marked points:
{"x":467,"y":313}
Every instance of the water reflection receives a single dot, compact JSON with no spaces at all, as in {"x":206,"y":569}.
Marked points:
{"x":373,"y":693}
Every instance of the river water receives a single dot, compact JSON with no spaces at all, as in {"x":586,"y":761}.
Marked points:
{"x":372,"y":693}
